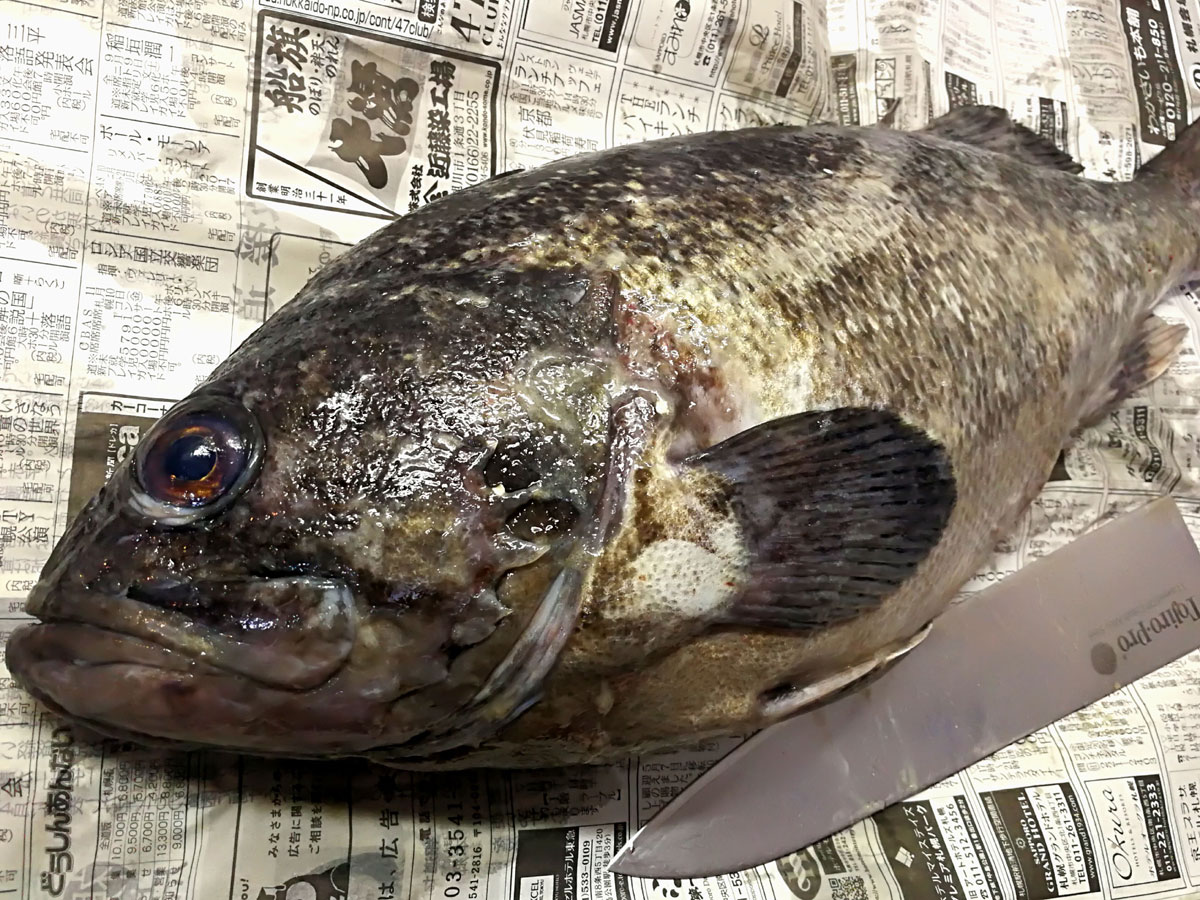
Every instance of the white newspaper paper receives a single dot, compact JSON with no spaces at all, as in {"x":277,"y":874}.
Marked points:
{"x":172,"y":171}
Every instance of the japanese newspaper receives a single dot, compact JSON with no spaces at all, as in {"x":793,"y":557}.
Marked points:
{"x":173,"y":171}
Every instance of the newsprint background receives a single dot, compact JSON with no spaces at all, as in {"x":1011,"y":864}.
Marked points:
{"x":172,"y":171}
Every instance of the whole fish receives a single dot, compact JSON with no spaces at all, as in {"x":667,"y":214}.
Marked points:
{"x":639,"y":447}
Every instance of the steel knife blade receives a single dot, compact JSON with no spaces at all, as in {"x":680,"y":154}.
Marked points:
{"x":1048,"y":640}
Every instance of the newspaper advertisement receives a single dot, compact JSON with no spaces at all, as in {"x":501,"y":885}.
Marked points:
{"x":171,"y":174}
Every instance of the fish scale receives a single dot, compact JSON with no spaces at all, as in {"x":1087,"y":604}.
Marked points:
{"x":780,"y":391}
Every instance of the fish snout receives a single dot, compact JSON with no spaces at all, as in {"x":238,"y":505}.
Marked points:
{"x":37,"y":601}
{"x":131,"y":688}
{"x":64,"y":565}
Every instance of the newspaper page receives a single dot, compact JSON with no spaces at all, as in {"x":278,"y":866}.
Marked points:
{"x":173,"y":171}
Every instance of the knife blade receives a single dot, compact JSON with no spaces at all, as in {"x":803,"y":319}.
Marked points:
{"x":1057,"y":635}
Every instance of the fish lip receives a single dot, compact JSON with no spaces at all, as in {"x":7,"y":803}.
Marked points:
{"x":93,"y":640}
{"x":138,"y":611}
{"x":100,"y":693}
{"x":89,"y":641}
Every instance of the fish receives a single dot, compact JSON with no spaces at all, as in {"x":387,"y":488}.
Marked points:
{"x":635,"y":449}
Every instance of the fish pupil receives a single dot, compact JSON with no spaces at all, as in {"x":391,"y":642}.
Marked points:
{"x":191,"y":457}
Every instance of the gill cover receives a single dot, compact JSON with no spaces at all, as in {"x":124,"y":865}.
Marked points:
{"x":516,"y":683}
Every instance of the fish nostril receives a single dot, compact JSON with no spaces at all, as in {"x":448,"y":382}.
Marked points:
{"x":510,"y":468}
{"x":108,"y":582}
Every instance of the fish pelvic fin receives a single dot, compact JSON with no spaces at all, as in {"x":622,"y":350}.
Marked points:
{"x":992,"y":128}
{"x":804,"y":695}
{"x":1144,"y":360}
{"x":1178,"y":162}
{"x":838,"y":509}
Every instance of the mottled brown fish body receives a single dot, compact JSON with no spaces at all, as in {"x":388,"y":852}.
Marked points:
{"x":981,"y":298}
{"x":636,"y":448}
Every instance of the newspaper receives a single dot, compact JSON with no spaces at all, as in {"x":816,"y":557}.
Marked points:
{"x":172,"y":171}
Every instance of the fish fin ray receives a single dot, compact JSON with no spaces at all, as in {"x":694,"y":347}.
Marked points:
{"x":992,"y":128}
{"x":791,"y":698}
{"x":1178,"y":162}
{"x":838,"y":509}
{"x":1143,"y":361}
{"x":888,"y":119}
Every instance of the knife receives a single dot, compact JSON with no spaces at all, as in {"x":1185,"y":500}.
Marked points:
{"x":1057,"y":635}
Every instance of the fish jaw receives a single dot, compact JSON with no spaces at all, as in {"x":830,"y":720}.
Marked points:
{"x":285,"y":665}
{"x":290,"y":632}
{"x":131,"y":688}
{"x":251,"y":664}
{"x":141,"y":640}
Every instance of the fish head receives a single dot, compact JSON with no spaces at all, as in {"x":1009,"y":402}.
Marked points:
{"x":337,"y":540}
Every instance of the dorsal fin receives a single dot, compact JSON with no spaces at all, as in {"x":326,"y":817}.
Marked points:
{"x":991,"y":128}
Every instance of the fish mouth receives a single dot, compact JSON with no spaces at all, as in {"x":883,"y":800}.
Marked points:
{"x":128,"y":687}
{"x":290,"y":632}
{"x":248,"y":663}
{"x":267,"y":666}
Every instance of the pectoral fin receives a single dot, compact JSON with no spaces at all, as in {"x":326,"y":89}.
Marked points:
{"x":838,"y":509}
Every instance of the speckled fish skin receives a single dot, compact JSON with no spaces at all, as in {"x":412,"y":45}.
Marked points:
{"x":505,"y":386}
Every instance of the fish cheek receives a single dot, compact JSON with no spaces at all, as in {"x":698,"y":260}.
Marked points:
{"x":429,"y":582}
{"x":441,"y":661}
{"x":517,"y":592}
{"x":673,"y":566}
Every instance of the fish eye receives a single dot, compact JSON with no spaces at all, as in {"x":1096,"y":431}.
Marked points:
{"x":193,"y":462}
{"x":196,"y":459}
